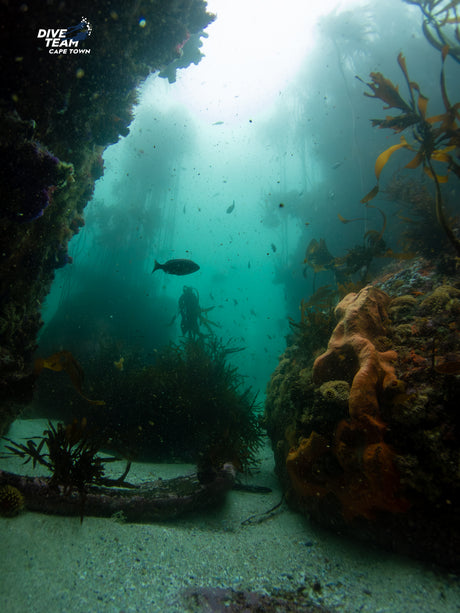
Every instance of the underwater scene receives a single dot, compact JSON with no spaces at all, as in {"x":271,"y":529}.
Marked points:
{"x":230,"y":306}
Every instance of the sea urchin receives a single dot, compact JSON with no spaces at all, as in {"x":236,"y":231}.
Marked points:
{"x":11,"y":501}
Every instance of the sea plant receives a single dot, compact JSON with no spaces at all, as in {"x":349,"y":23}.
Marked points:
{"x":190,"y":405}
{"x":356,"y":261}
{"x":199,"y":406}
{"x":441,"y":24}
{"x":434,"y":139}
{"x":70,"y":453}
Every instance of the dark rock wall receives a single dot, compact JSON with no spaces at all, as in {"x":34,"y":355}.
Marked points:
{"x":58,"y":112}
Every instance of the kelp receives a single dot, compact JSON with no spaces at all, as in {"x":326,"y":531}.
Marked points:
{"x":317,"y":256}
{"x":345,"y":221}
{"x":64,"y":360}
{"x":441,"y":24}
{"x":323,"y":299}
{"x":356,"y":260}
{"x":371,"y":236}
{"x":434,"y":138}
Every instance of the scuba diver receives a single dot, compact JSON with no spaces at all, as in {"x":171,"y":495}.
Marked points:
{"x":189,"y":309}
{"x":192,"y":314}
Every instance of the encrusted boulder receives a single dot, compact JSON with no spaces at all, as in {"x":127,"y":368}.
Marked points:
{"x":366,"y":478}
{"x":365,"y":431}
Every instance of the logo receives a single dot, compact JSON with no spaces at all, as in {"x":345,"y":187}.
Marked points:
{"x":66,"y":40}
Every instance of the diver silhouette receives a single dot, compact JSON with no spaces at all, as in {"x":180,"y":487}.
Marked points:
{"x":192,"y":315}
{"x":190,"y":311}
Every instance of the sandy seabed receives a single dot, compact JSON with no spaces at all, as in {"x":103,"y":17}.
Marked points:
{"x":57,"y":564}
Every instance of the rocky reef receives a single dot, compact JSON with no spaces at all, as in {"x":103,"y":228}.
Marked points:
{"x":58,"y":112}
{"x":366,"y":430}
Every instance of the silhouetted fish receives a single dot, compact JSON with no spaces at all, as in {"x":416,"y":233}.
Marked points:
{"x":177,"y":267}
{"x":231,"y":207}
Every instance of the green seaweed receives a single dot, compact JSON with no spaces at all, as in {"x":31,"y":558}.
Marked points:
{"x":190,"y":405}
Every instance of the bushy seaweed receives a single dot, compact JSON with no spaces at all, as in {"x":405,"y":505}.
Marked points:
{"x":190,"y":405}
{"x":200,"y":407}
{"x":70,"y":454}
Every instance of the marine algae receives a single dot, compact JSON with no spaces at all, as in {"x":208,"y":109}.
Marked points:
{"x":434,"y":138}
{"x":64,"y":360}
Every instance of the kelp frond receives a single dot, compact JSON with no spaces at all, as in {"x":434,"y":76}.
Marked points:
{"x":441,"y":24}
{"x":434,"y":139}
{"x":64,"y":360}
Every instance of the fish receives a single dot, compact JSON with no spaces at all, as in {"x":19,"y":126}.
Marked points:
{"x":273,"y":246}
{"x":177,"y":267}
{"x":218,"y":123}
{"x":231,"y":207}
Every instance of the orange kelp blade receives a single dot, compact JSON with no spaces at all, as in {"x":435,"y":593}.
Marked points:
{"x":64,"y":360}
{"x":372,"y":194}
{"x":381,"y":162}
{"x":344,"y":220}
{"x":435,"y":177}
{"x":422,"y":101}
{"x":387,"y":92}
{"x":383,"y":158}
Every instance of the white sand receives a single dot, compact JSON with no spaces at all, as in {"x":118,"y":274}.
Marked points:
{"x":55,"y":564}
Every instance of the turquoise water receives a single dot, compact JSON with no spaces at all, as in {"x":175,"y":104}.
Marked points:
{"x":264,"y":146}
{"x":291,"y":156}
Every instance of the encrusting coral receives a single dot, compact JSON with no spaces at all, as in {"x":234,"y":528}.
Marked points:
{"x":366,"y":478}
